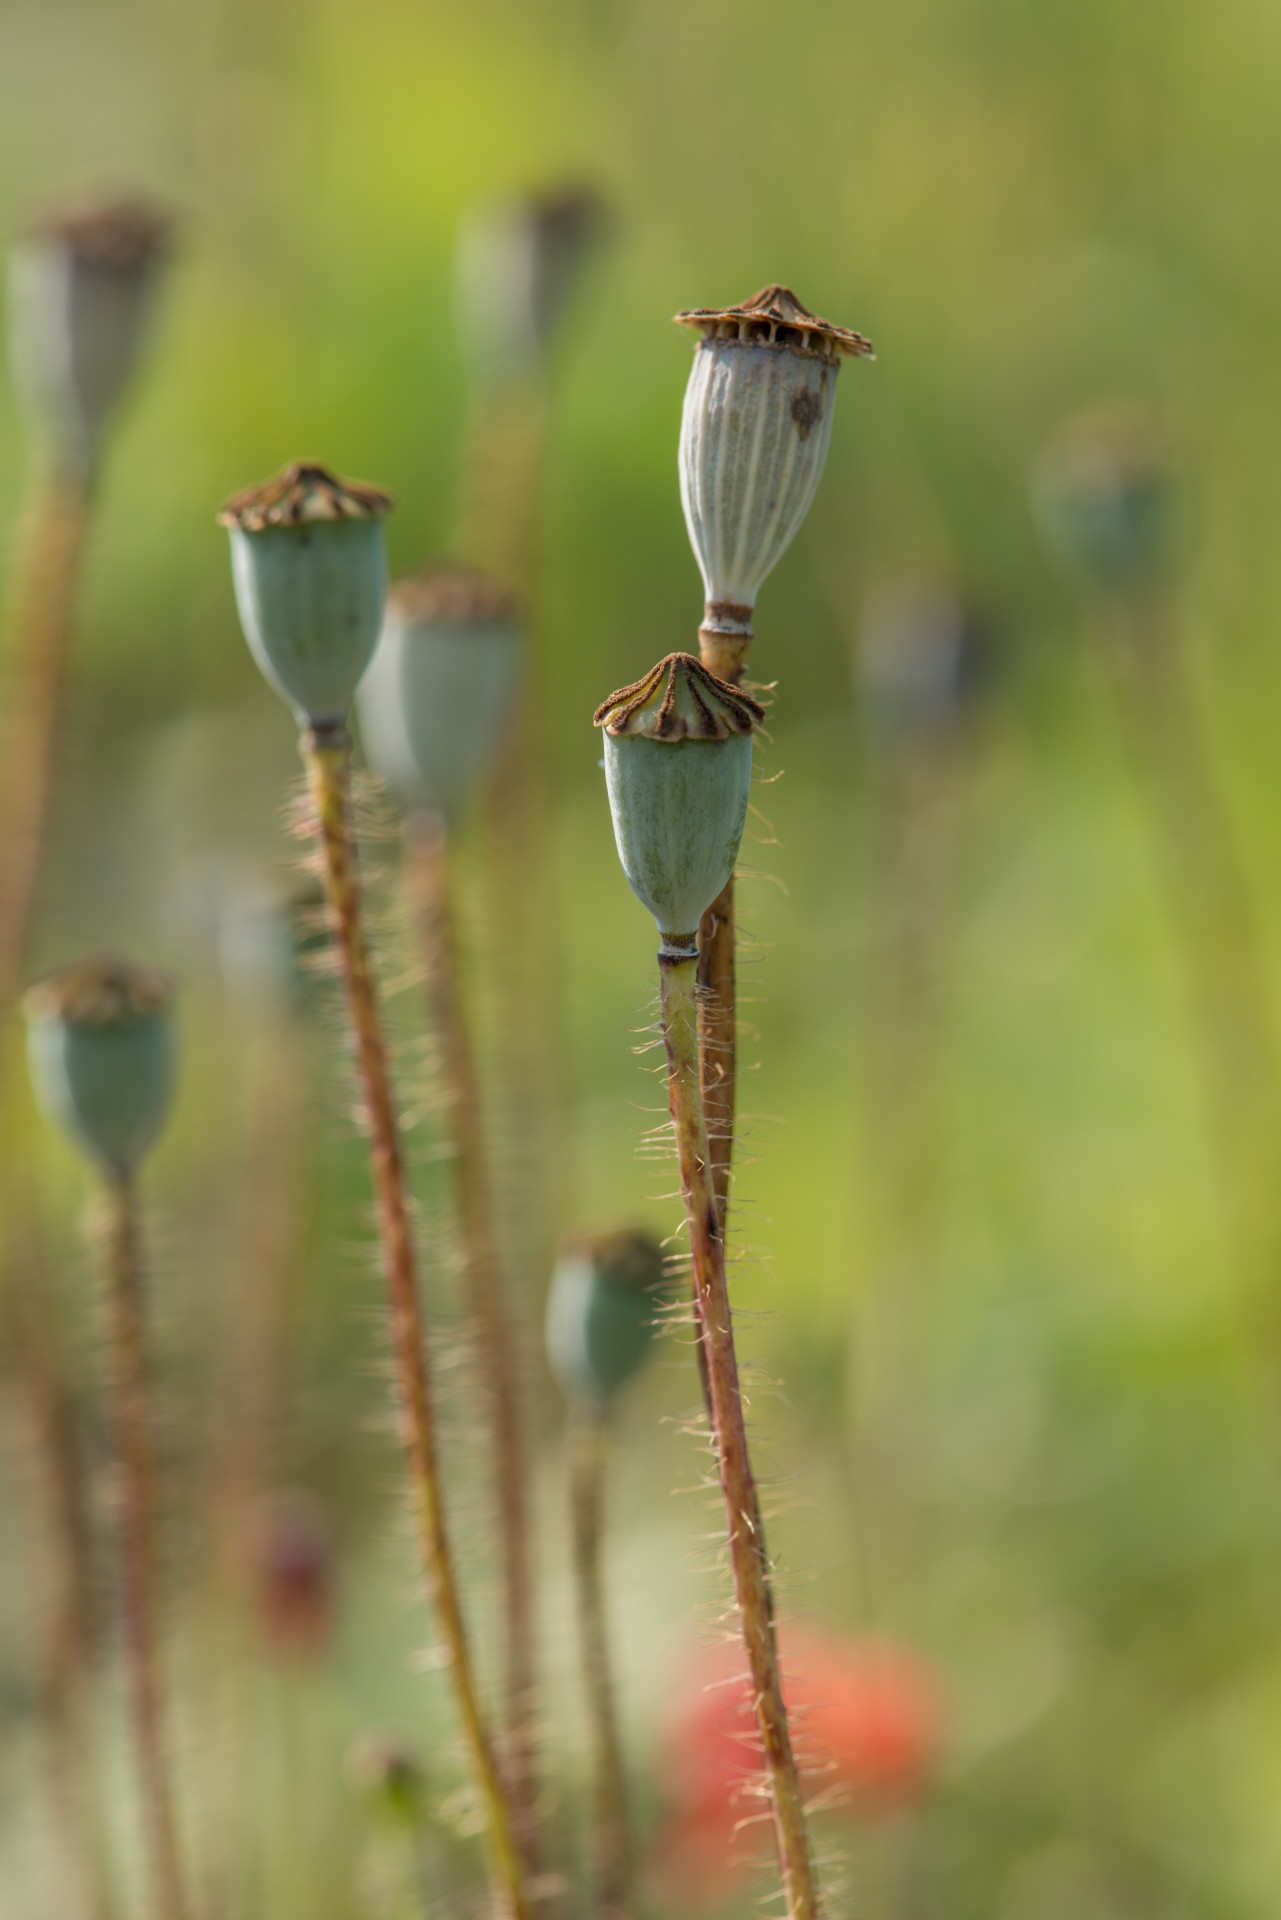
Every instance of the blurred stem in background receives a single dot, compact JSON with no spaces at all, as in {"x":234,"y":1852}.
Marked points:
{"x":1102,"y":490}
{"x":919,"y":663}
{"x":101,"y":1054}
{"x":602,"y":1315}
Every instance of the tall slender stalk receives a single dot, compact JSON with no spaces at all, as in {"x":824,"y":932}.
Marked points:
{"x":429,"y":868}
{"x":126,"y":1353}
{"x":326,"y":757}
{"x":588,"y":1443}
{"x":722,"y":654}
{"x":748,"y":1556}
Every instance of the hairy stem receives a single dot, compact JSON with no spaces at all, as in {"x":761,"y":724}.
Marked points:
{"x":326,"y":757}
{"x":588,"y":1451}
{"x":139,"y":1605}
{"x":723,"y":655}
{"x":37,"y":623}
{"x":748,"y":1557}
{"x":429,"y":870}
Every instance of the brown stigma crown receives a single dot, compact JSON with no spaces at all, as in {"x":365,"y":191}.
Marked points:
{"x":453,"y":595}
{"x":679,"y":700}
{"x":303,"y":495}
{"x":123,"y":234}
{"x":101,"y":991}
{"x":774,"y":317}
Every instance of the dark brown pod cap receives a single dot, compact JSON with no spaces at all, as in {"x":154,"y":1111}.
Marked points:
{"x":774,"y":317}
{"x":99,"y":992}
{"x":679,"y":700}
{"x":124,"y":234}
{"x":454,"y":595}
{"x":303,"y":495}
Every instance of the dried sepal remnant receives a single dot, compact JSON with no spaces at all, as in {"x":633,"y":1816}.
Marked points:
{"x":679,"y":700}
{"x":304,"y":494}
{"x":461,"y":596}
{"x":125,"y":234}
{"x":100,"y":992}
{"x":774,"y":317}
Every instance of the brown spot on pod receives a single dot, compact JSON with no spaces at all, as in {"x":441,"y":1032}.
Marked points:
{"x":806,"y":409}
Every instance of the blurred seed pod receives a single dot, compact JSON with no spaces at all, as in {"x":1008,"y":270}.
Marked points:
{"x":603,"y":1312}
{"x":294,"y":1577}
{"x":271,"y":937}
{"x":441,"y":688}
{"x":101,"y":1051}
{"x":82,"y":283}
{"x":922,"y":660}
{"x":519,"y":264}
{"x":678,"y":764}
{"x":1101,"y":494}
{"x":390,"y":1775}
{"x":754,"y":439}
{"x":310,"y":567}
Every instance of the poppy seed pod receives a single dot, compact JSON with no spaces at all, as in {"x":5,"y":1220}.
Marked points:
{"x":520,"y":260}
{"x":754,"y":437}
{"x":678,"y":764}
{"x":100,"y":1044}
{"x":310,"y":567}
{"x":441,"y":687}
{"x":1100,"y":491}
{"x":922,"y":660}
{"x":81,"y":291}
{"x":603,"y":1312}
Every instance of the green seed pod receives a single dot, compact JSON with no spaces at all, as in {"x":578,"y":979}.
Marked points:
{"x":603,"y":1312}
{"x":519,"y":264}
{"x":678,"y":763}
{"x":100,"y":1045}
{"x":440,"y":691}
{"x":754,"y":438}
{"x":1101,"y":495}
{"x":310,"y":568}
{"x":389,"y":1775}
{"x":81,"y":293}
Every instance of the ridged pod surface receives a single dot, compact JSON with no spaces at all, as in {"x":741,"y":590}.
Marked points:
{"x":100,"y":1045}
{"x":310,"y":568}
{"x":754,"y":437}
{"x":441,"y":687}
{"x":678,"y":765}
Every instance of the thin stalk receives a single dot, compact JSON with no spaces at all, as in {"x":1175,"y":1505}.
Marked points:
{"x":326,"y":756}
{"x":588,"y":1454}
{"x":131,"y":1409}
{"x":44,"y":572}
{"x":429,"y":869}
{"x":748,"y":1557}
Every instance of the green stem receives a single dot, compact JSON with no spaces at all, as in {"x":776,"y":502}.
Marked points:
{"x":126,"y":1349}
{"x":748,"y":1557}
{"x":429,"y":870}
{"x":326,"y":757}
{"x":588,"y":1450}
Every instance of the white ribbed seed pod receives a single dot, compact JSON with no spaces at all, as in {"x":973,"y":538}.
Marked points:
{"x":754,"y":439}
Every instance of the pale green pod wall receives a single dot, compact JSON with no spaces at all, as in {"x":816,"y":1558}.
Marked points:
{"x":434,"y":704}
{"x":110,"y":1086}
{"x":679,"y":809}
{"x":600,"y":1327}
{"x":311,"y":604}
{"x":754,"y":439}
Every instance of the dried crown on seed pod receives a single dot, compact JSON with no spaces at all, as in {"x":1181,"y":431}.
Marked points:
{"x":100,"y":1046}
{"x":310,"y":568}
{"x":81,"y":291}
{"x":441,"y":686}
{"x":678,"y":765}
{"x":754,"y":436}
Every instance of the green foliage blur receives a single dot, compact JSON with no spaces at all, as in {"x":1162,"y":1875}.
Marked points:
{"x":1017,"y":1403}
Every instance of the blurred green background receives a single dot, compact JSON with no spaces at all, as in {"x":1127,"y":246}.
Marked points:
{"x":1027,"y":210}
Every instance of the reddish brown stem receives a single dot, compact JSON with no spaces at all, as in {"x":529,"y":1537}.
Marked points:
{"x":136,"y":1494}
{"x":428,"y":859}
{"x":748,"y":1557}
{"x":588,"y":1451}
{"x":327,"y":759}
